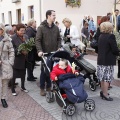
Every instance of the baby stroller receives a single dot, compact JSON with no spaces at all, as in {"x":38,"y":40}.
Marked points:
{"x":88,"y":70}
{"x":69,"y":107}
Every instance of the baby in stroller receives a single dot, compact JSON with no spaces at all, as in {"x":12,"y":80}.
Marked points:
{"x":61,"y":68}
{"x":71,"y":84}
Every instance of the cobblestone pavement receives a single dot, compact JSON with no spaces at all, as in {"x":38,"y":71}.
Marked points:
{"x":23,"y":107}
{"x":32,"y":106}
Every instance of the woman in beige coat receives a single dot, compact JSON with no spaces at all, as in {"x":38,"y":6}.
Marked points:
{"x":6,"y":62}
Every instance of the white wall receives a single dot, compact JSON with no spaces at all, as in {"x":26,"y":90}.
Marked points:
{"x":88,"y":7}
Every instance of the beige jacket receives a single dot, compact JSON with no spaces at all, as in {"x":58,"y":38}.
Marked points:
{"x":7,"y":58}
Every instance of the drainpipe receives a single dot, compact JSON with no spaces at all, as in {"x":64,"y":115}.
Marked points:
{"x":40,"y":4}
{"x":115,"y":4}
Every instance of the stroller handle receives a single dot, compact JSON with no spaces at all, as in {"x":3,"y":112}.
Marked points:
{"x":49,"y":53}
{"x":44,"y":60}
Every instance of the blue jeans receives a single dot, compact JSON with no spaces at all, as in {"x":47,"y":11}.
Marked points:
{"x":44,"y":77}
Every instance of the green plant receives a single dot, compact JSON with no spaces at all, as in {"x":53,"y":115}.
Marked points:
{"x":27,"y":46}
{"x":117,"y":36}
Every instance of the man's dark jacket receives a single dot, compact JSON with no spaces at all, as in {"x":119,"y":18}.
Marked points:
{"x":47,"y":38}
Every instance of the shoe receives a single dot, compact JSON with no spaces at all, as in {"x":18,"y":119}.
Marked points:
{"x":4,"y":103}
{"x":101,"y":93}
{"x":109,"y":87}
{"x":23,"y":89}
{"x":42,"y":92}
{"x":48,"y":89}
{"x":16,"y":83}
{"x":14,"y":93}
{"x":34,"y":77}
{"x":106,"y":97}
{"x":28,"y":79}
{"x":85,"y":53}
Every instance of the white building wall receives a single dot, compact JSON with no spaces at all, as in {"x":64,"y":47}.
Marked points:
{"x":7,"y":5}
{"x":88,"y":7}
{"x":93,"y":8}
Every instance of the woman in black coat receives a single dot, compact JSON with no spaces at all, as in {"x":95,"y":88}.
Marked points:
{"x":107,"y":52}
{"x":19,"y":67}
{"x":31,"y":33}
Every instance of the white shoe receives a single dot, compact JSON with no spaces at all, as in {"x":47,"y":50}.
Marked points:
{"x":14,"y":94}
{"x":26,"y":91}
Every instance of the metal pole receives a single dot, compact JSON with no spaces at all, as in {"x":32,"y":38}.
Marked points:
{"x":115,"y":5}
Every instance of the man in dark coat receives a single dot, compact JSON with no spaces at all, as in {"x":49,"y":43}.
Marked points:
{"x":47,"y":40}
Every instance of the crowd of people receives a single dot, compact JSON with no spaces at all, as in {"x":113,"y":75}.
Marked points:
{"x":48,"y":38}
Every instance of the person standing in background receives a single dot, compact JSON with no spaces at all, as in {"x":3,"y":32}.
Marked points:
{"x":31,"y":33}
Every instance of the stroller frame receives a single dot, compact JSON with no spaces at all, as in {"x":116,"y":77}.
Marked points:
{"x":68,"y":107}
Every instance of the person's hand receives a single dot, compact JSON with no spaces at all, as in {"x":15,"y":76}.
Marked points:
{"x":76,"y":73}
{"x":24,"y":52}
{"x":59,"y":49}
{"x":68,"y":36}
{"x":40,"y":54}
{"x":56,"y":78}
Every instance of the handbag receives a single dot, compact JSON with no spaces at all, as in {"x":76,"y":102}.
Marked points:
{"x":94,"y":43}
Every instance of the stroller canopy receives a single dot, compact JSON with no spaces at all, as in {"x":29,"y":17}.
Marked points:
{"x":58,"y":54}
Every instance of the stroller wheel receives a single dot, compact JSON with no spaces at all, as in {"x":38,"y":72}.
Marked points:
{"x":69,"y":109}
{"x":50,"y":97}
{"x":92,"y":85}
{"x":89,"y":105}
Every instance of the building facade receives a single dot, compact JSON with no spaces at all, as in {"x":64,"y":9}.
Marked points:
{"x":16,"y":11}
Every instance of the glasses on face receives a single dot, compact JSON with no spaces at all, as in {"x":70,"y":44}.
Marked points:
{"x":1,"y":29}
{"x":22,"y":31}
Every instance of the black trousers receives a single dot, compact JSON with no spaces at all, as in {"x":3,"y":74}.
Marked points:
{"x":30,"y":71}
{"x":13,"y":83}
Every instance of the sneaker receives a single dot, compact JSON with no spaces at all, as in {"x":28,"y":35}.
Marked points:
{"x":13,"y":92}
{"x":42,"y":92}
{"x":23,"y":89}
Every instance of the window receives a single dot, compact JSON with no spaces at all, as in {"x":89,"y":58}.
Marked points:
{"x":18,"y":14}
{"x":3,"y":18}
{"x":10,"y":17}
{"x":30,"y":12}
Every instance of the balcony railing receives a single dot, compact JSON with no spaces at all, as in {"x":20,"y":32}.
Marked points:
{"x":15,"y":1}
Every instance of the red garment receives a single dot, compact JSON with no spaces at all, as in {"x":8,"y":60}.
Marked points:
{"x":58,"y":71}
{"x":77,"y":55}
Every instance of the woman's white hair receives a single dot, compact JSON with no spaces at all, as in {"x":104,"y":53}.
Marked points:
{"x":8,"y":29}
{"x":30,"y":22}
{"x":106,"y":27}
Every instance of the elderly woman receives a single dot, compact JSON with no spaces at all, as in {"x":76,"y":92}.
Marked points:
{"x":19,"y":67}
{"x":31,"y":33}
{"x":107,"y":52}
{"x":6,"y":63}
{"x":70,"y":33}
